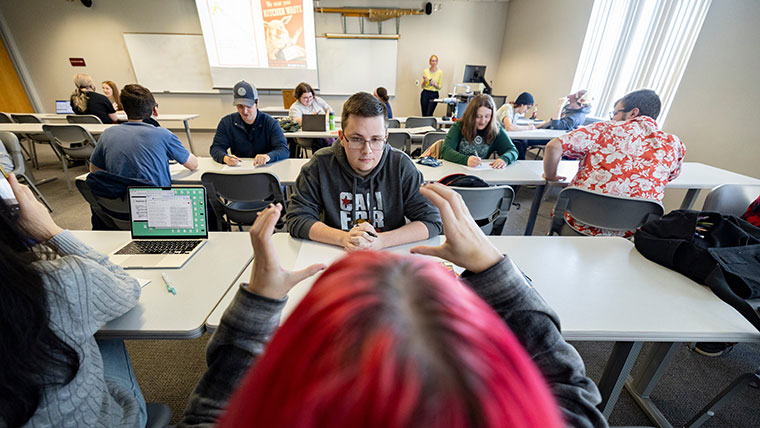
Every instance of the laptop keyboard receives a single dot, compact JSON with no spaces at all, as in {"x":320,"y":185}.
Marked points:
{"x":185,"y":246}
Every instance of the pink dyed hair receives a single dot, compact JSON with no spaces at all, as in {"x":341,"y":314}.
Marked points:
{"x":388,"y":341}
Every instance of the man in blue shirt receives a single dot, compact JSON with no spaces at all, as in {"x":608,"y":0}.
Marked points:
{"x":136,"y":149}
{"x":248,"y":133}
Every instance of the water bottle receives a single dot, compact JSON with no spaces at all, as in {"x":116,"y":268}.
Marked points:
{"x":332,"y":121}
{"x":535,"y":113}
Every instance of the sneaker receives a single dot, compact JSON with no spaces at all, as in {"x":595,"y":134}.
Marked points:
{"x":713,"y":349}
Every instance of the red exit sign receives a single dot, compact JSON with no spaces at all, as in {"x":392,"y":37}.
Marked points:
{"x":77,"y":62}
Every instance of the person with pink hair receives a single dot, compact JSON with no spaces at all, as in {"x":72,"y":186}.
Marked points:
{"x":384,"y":340}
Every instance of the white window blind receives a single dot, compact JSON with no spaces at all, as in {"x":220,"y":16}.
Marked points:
{"x":637,"y":44}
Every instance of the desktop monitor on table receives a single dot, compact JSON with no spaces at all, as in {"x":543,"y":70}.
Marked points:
{"x":476,"y":74}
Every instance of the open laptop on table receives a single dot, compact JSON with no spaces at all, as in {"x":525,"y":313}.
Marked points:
{"x":313,"y":122}
{"x":63,"y":107}
{"x":168,"y":227}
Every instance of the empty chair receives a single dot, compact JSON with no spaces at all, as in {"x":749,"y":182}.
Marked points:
{"x":109,"y":202}
{"x":72,"y":141}
{"x":237,"y":198}
{"x":731,"y":199}
{"x":13,"y":147}
{"x":394,"y":123}
{"x":36,"y":137}
{"x":417,"y":121}
{"x":598,"y":210}
{"x":5,"y":118}
{"x":400,"y":140}
{"x":83,"y":118}
{"x":488,"y":205}
{"x":430,"y":138}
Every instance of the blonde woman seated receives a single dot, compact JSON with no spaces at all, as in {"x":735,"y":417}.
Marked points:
{"x":476,"y":136}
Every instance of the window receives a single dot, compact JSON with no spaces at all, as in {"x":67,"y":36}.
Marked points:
{"x":637,"y":44}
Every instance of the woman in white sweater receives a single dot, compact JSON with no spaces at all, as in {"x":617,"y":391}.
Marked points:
{"x":56,"y":294}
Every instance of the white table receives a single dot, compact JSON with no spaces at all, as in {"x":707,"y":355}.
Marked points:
{"x":601,"y":288}
{"x":184,"y":118}
{"x":275,"y":111}
{"x":200,"y":283}
{"x":536,"y":134}
{"x":438,"y":120}
{"x":286,"y":170}
{"x":334,"y":134}
{"x":33,"y":128}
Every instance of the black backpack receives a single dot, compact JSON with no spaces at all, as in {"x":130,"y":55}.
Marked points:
{"x":463,"y":180}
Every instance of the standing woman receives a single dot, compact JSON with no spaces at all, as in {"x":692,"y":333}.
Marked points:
{"x":112,"y":92}
{"x":382,"y":95}
{"x":476,"y":135}
{"x":84,"y":100}
{"x":432,"y":78}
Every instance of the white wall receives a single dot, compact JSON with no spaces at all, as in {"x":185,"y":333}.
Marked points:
{"x":48,"y":32}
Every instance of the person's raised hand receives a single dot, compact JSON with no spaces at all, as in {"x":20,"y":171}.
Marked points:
{"x":466,"y":245}
{"x":498,"y":163}
{"x":473,"y":161}
{"x":261,"y":159}
{"x":231,"y":160}
{"x":268,"y":278}
{"x":33,"y":218}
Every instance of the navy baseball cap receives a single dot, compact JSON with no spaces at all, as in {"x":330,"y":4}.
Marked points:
{"x":244,"y":94}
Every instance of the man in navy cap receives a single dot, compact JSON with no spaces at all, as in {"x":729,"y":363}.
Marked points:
{"x":248,"y":133}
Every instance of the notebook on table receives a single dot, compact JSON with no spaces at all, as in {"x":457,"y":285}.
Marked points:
{"x":168,"y":226}
{"x":313,"y":122}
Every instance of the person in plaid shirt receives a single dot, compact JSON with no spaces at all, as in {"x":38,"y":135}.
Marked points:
{"x":627,"y":156}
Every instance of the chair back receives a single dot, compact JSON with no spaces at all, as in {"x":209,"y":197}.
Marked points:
{"x":599,"y":210}
{"x":5,"y":118}
{"x":72,"y":140}
{"x":499,"y":100}
{"x":394,"y":123}
{"x":288,"y":98}
{"x":83,"y":118}
{"x":731,"y":199}
{"x":400,"y":140}
{"x":112,"y":212}
{"x":430,"y":138}
{"x":486,"y":204}
{"x":13,"y":147}
{"x":418,"y":121}
{"x":25,"y":118}
{"x":239,"y":197}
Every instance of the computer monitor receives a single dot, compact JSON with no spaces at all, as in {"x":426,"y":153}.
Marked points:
{"x":474,"y":73}
{"x":63,"y":107}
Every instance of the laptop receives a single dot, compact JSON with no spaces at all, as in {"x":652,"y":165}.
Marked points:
{"x":313,"y":122}
{"x":168,"y":227}
{"x":63,"y":107}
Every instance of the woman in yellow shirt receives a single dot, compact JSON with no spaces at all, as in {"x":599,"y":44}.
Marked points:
{"x":431,"y":83}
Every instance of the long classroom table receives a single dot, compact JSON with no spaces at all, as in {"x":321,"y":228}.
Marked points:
{"x":200,"y":284}
{"x":601,"y":288}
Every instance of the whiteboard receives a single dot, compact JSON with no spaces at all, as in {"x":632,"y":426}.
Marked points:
{"x":169,"y":62}
{"x":347,"y":66}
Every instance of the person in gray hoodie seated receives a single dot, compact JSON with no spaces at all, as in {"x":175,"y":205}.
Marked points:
{"x":571,"y":112}
{"x":359,"y":194}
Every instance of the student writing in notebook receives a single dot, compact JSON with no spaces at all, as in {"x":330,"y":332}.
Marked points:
{"x":476,"y":136}
{"x":248,"y":133}
{"x":362,"y":178}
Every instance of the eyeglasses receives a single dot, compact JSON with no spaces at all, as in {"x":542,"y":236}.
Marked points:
{"x":613,"y":113}
{"x":358,"y":143}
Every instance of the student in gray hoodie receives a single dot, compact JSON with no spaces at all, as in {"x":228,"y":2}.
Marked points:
{"x":362,"y":178}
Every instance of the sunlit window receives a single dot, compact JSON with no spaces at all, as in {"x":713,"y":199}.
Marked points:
{"x":636,"y":44}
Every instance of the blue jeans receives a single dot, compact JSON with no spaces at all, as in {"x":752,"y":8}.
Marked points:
{"x":117,"y":368}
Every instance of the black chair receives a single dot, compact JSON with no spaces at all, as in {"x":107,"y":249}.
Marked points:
{"x":5,"y":118}
{"x":488,"y":206}
{"x":70,"y":141}
{"x":107,"y":195}
{"x":13,"y":147}
{"x":418,"y":121}
{"x":83,"y":118}
{"x":238,"y":198}
{"x":33,"y":138}
{"x":394,"y":123}
{"x":430,"y":138}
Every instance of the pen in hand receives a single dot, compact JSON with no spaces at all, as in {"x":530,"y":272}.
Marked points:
{"x":169,"y":287}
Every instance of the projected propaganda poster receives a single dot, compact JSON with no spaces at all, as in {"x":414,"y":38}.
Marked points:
{"x":284,"y":33}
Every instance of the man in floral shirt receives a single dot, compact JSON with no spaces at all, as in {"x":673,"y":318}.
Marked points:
{"x":627,"y":156}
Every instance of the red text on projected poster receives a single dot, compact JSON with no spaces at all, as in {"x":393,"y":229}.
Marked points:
{"x":283,"y":31}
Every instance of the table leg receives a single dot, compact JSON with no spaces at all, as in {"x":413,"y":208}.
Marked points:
{"x":688,"y":200}
{"x":655,"y":364}
{"x":189,"y":138}
{"x":537,"y":197}
{"x":615,"y":373}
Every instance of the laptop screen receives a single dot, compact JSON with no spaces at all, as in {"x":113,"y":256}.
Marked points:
{"x":168,"y":212}
{"x":63,"y":107}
